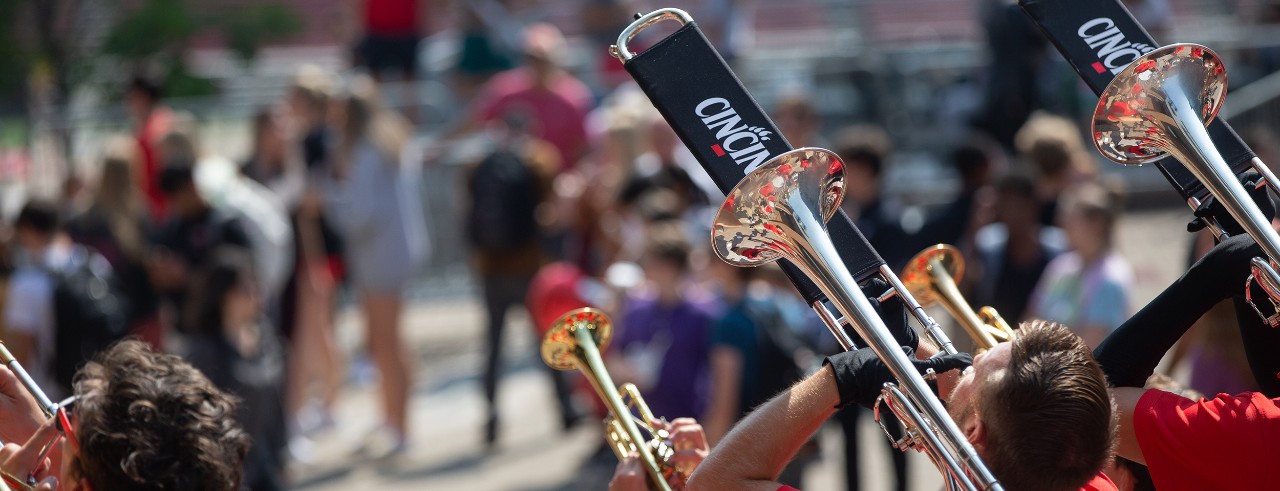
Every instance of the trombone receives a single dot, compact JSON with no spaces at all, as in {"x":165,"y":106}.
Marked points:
{"x":931,"y":277}
{"x":1160,"y":105}
{"x":779,"y":211}
{"x":575,"y":342}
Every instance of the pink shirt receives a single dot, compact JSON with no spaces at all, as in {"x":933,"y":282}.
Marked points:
{"x":557,"y":114}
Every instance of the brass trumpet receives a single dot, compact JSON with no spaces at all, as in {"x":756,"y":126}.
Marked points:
{"x":931,"y":277}
{"x":1159,"y":105}
{"x":575,"y":342}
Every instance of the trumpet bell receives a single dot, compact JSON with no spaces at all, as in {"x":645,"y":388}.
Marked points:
{"x":560,"y":345}
{"x":916,"y":275}
{"x":746,"y":231}
{"x":1127,"y":123}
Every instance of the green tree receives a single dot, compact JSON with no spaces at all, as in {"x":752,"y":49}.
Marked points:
{"x":154,"y":37}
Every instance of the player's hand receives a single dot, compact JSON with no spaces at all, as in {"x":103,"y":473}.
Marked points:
{"x":691,"y":448}
{"x":1253,"y":184}
{"x":20,"y":461}
{"x":629,"y":475}
{"x":893,"y":311}
{"x":861,"y":375}
{"x":20,"y":414}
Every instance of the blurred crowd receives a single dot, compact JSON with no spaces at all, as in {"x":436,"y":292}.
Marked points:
{"x":584,"y":196}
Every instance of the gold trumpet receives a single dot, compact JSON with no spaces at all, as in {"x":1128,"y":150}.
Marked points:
{"x":575,"y":342}
{"x":931,"y":277}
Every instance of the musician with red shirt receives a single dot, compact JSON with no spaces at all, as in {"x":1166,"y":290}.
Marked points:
{"x":1036,"y":409}
{"x":1224,"y":442}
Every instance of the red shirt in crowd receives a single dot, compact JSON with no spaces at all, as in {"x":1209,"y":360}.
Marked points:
{"x":1221,"y":443}
{"x":149,"y":133}
{"x":391,"y":17}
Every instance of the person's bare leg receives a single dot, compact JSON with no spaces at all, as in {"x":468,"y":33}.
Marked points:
{"x":330,"y":367}
{"x":382,"y":316}
{"x":315,"y":357}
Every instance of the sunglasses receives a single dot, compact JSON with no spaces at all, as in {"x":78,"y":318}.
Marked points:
{"x":61,"y":419}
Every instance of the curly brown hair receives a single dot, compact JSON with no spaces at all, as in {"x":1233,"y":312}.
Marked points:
{"x":151,"y":421}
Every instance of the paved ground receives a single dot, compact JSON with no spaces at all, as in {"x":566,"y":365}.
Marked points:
{"x":534,"y":454}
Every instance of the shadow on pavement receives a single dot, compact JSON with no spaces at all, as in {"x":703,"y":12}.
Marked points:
{"x":334,"y":474}
{"x":459,"y":464}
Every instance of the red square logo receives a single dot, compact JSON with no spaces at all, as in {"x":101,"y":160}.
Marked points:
{"x":719,"y":151}
{"x":1097,"y":67}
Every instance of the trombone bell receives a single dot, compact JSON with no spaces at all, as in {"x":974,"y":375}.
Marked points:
{"x":1159,"y":105}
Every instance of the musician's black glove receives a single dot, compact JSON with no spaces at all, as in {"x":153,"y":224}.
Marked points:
{"x":860,"y":375}
{"x":894,"y":313}
{"x":1257,"y":188}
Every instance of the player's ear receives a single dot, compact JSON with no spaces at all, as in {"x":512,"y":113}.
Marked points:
{"x":976,"y":432}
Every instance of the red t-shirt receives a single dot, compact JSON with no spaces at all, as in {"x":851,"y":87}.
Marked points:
{"x":1221,"y":443}
{"x":391,"y":17}
{"x":1100,"y":482}
{"x":158,"y":124}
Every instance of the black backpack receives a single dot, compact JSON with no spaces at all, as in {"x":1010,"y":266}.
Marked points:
{"x":504,"y":197}
{"x":89,"y":312}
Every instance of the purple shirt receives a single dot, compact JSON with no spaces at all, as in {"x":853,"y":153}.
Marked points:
{"x":673,"y":342}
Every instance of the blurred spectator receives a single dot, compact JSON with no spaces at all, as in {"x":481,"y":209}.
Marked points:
{"x":29,"y":314}
{"x":1053,"y":147}
{"x":662,"y":340}
{"x":389,"y":44}
{"x":271,"y":161}
{"x":376,"y":206}
{"x":506,"y":189}
{"x":259,"y":212}
{"x":865,"y":150}
{"x":188,"y":240}
{"x":1156,"y":16}
{"x":1088,"y":287}
{"x":726,"y":23}
{"x":1264,"y":59}
{"x":1017,"y":53}
{"x":482,"y":54}
{"x":594,"y":228}
{"x":798,"y":120}
{"x":1013,"y":252}
{"x":151,"y":122}
{"x":953,"y":224}
{"x":218,"y":185}
{"x":237,"y":349}
{"x":542,"y":93}
{"x":116,"y":226}
{"x":309,"y":300}
{"x":602,"y":20}
{"x":665,"y":167}
{"x":753,"y":355}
